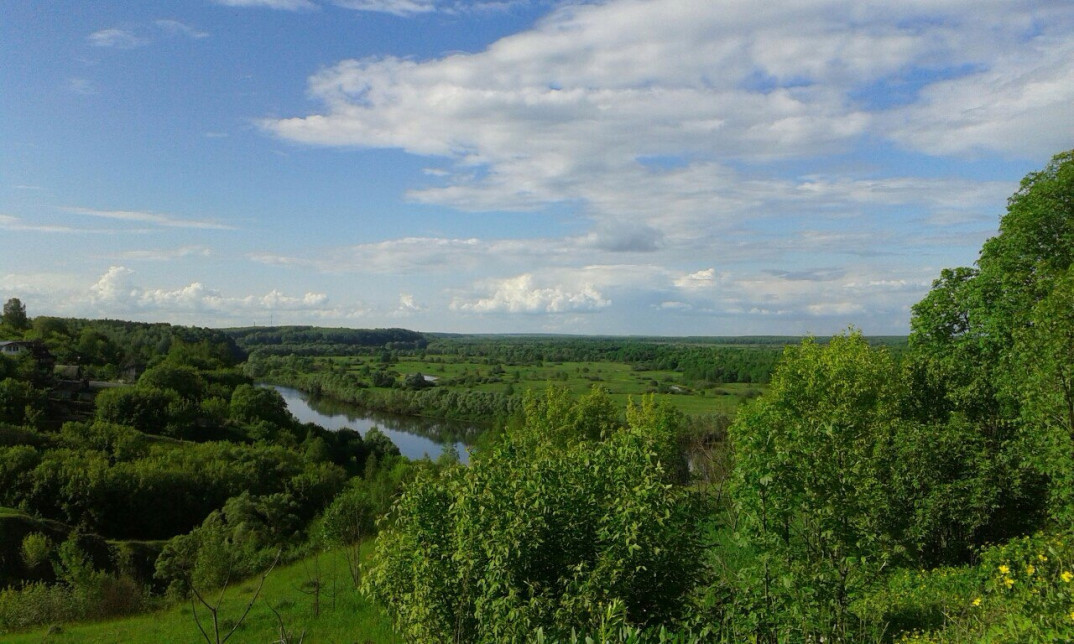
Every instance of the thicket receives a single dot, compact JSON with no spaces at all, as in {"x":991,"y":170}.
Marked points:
{"x":188,"y":476}
{"x":567,"y":516}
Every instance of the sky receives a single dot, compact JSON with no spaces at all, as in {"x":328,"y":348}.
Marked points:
{"x":626,"y":167}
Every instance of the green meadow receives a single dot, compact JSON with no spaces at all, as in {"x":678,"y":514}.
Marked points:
{"x":338,"y":615}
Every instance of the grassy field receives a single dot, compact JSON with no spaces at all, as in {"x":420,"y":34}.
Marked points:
{"x":343,"y":615}
{"x":621,"y":380}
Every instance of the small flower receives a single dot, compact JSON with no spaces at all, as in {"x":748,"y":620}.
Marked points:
{"x":1042,"y":558}
{"x":1008,"y":581}
{"x":1067,"y":576}
{"x":977,"y":601}
{"x":1030,"y":570}
{"x":1072,"y":614}
{"x":1004,"y":569}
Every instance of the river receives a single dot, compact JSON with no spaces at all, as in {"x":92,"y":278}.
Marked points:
{"x":415,"y":437}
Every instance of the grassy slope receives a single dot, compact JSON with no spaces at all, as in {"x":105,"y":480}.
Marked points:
{"x":346,"y":617}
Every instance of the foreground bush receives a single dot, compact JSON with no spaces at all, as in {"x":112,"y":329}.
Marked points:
{"x":543,"y":533}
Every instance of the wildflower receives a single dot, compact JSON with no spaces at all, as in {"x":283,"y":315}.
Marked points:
{"x":1030,"y":570}
{"x":1004,"y":569}
{"x":977,"y":601}
{"x":1072,"y":614}
{"x":1042,"y":558}
{"x":1067,"y":576}
{"x":1008,"y":581}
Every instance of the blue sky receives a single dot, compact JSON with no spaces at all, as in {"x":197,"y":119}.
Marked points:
{"x":671,"y":167}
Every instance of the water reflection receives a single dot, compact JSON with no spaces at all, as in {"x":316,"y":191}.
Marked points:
{"x":415,"y":437}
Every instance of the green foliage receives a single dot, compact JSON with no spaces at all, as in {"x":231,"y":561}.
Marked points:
{"x":143,"y":408}
{"x":250,"y":404}
{"x":544,"y":530}
{"x":14,"y":315}
{"x":36,"y":548}
{"x":185,"y":381}
{"x":416,"y":381}
{"x":1021,"y":591}
{"x":21,"y":402}
{"x":1041,"y":377}
{"x":808,"y":483}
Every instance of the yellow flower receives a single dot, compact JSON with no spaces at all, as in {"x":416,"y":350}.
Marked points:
{"x":1042,"y":558}
{"x":1072,"y":614}
{"x":1030,"y":570}
{"x":1008,"y":581}
{"x":977,"y":601}
{"x":1067,"y":576}
{"x":1004,"y":569}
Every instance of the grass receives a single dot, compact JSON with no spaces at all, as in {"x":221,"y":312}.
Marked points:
{"x":343,"y":616}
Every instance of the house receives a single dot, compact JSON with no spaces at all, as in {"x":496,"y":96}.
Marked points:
{"x":35,"y":348}
{"x":13,"y":347}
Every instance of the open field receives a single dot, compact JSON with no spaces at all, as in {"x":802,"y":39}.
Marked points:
{"x":622,"y":381}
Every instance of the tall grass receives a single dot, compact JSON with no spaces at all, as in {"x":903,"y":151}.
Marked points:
{"x":314,"y":597}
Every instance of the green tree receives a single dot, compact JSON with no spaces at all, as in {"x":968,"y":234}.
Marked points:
{"x":250,"y":404}
{"x":1041,"y":377}
{"x":539,"y":534}
{"x":808,"y":484}
{"x":14,"y":315}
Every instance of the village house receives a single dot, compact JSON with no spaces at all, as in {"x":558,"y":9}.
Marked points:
{"x":35,"y":348}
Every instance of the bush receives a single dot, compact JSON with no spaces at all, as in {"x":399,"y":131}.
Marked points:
{"x":542,"y":532}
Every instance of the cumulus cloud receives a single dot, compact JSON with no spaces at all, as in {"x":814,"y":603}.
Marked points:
{"x":574,"y":110}
{"x":407,"y":307}
{"x":117,"y":292}
{"x":711,"y":153}
{"x":520,"y":295}
{"x":116,"y":39}
{"x":842,"y":296}
{"x":699,"y":279}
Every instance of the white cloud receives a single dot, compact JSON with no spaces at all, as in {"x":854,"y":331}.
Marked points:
{"x":285,"y":5}
{"x":166,"y":221}
{"x":570,"y":111}
{"x":520,"y":295}
{"x":82,"y":86}
{"x":116,"y":293}
{"x":8,"y":222}
{"x":700,"y":279}
{"x":116,"y":39}
{"x":176,"y":28}
{"x":408,"y":306}
{"x":167,"y":254}
{"x":396,"y":7}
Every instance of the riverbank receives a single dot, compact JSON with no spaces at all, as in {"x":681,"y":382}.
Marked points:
{"x":476,"y":407}
{"x":416,"y":437}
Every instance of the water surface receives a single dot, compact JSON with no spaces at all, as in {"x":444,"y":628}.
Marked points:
{"x":415,"y":437}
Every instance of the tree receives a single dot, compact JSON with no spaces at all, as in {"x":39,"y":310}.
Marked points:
{"x":966,"y":325}
{"x":808,"y":484}
{"x":15,"y":315}
{"x":543,"y":533}
{"x":250,"y":404}
{"x":1041,"y":377}
{"x":993,"y":342}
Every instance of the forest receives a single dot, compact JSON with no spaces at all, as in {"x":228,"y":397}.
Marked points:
{"x":834,"y":489}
